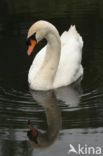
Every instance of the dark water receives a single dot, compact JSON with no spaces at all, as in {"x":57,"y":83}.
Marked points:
{"x":79,"y":109}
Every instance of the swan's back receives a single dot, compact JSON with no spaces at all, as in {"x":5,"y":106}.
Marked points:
{"x":70,"y":68}
{"x":71,"y":36}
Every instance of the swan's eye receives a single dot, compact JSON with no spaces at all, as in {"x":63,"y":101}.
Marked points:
{"x":33,"y":37}
{"x":28,"y":42}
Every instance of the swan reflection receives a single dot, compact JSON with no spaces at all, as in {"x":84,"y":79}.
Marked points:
{"x":53,"y":115}
{"x":49,"y":101}
{"x":70,"y":95}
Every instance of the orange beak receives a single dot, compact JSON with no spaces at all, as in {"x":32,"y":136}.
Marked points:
{"x":31,"y":46}
{"x":34,"y":133}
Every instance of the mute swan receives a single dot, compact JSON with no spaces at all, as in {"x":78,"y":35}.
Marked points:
{"x":59,"y":62}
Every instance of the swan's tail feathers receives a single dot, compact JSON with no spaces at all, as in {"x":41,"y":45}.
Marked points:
{"x":74,"y":35}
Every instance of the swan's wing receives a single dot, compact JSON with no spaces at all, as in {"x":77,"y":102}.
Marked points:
{"x":70,"y":68}
{"x":71,"y":36}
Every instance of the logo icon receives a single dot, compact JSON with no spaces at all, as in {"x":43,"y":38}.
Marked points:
{"x":72,"y":149}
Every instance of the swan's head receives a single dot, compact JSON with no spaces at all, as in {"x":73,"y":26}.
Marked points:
{"x":32,"y":133}
{"x":37,"y":32}
{"x":38,"y":139}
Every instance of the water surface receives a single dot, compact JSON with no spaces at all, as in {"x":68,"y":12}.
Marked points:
{"x":79,"y":108}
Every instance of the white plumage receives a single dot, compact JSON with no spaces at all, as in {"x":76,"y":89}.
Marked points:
{"x":45,"y":74}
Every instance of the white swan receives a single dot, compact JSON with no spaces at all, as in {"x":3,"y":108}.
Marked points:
{"x":59,"y":62}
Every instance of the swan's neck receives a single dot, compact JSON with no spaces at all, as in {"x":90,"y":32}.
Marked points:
{"x":53,"y":115}
{"x":48,"y":70}
{"x":54,"y":120}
